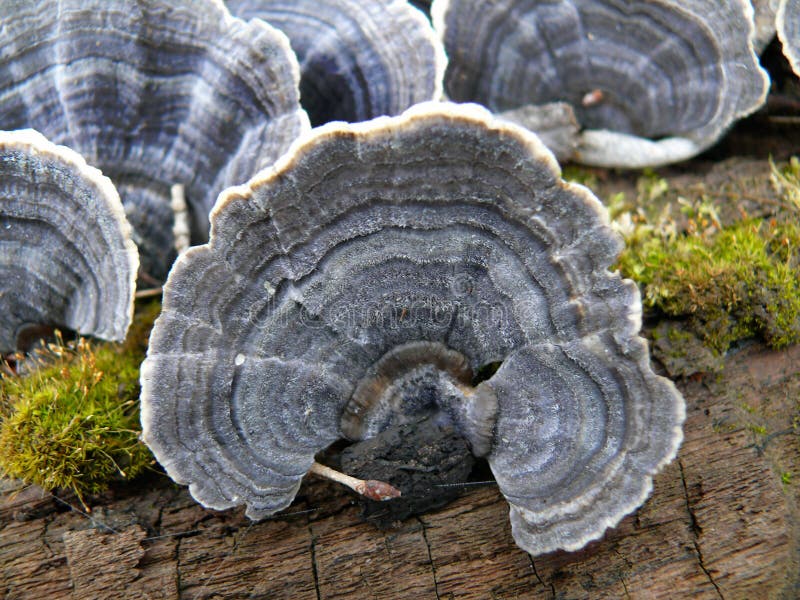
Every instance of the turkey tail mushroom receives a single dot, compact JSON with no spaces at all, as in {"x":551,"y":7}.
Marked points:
{"x":154,"y":93}
{"x":66,"y":255}
{"x":363,"y":280}
{"x":359,"y":59}
{"x":651,"y":82}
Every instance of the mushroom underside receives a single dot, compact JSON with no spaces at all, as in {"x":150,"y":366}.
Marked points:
{"x":153,"y":93}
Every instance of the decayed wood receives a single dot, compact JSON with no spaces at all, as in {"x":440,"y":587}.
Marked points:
{"x":721,"y":523}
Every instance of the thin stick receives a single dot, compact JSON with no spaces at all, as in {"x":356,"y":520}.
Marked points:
{"x":372,"y":489}
{"x":784,"y":119}
{"x":150,"y":293}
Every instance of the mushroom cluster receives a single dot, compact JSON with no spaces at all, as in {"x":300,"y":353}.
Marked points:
{"x":154,"y":93}
{"x":366,"y":271}
{"x":66,"y":255}
{"x":361,"y":281}
{"x":651,"y":82}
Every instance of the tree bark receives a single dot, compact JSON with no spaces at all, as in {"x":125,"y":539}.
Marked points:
{"x":722,"y":522}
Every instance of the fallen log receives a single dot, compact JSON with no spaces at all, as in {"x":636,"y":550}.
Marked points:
{"x":722,"y":522}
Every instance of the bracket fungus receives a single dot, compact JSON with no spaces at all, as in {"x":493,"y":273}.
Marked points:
{"x":66,"y":255}
{"x":651,"y":82}
{"x":359,"y":59}
{"x":362,"y":280}
{"x":154,"y":93}
{"x":788,"y":25}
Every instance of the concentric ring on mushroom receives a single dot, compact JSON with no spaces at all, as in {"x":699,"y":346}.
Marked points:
{"x":345,"y":290}
{"x":154,"y":93}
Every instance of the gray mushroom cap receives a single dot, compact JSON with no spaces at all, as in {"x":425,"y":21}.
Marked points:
{"x":155,"y":93}
{"x":652,"y":82}
{"x":788,"y":24}
{"x":359,"y":59}
{"x":365,"y":278}
{"x":66,"y":255}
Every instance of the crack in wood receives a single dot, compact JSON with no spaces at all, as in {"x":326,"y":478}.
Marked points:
{"x":701,"y":562}
{"x":430,"y":557}
{"x":628,"y":565}
{"x":178,"y":565}
{"x":313,"y":552}
{"x":624,"y":587}
{"x":156,"y":527}
{"x":696,"y":531}
{"x":539,"y":579}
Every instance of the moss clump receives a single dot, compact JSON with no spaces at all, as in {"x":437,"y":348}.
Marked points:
{"x":741,"y":281}
{"x":73,"y":422}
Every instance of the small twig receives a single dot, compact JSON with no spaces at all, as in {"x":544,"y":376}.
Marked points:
{"x":149,"y":293}
{"x":784,"y":120}
{"x":180,"y":227}
{"x":372,"y":489}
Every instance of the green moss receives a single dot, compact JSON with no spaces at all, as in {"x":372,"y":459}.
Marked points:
{"x":650,"y":186}
{"x":73,"y":422}
{"x":786,"y":478}
{"x":757,"y":429}
{"x":748,"y":409}
{"x":743,"y":280}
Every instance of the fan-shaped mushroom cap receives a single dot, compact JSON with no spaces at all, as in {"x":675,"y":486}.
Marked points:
{"x":363,"y":280}
{"x":359,"y":59}
{"x":669,"y":75}
{"x":788,"y":23}
{"x":154,"y":93}
{"x":66,"y":255}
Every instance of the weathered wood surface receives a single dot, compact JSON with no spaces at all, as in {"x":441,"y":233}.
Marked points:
{"x":721,"y":523}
